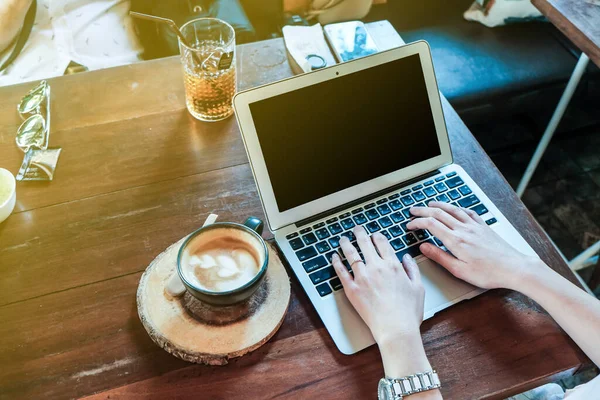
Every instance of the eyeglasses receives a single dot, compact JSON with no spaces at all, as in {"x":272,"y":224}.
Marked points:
{"x":34,"y":109}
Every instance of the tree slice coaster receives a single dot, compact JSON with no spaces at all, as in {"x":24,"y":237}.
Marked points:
{"x":182,"y":326}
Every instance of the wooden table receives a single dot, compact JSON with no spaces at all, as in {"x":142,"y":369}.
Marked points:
{"x":137,"y":173}
{"x":577,"y":20}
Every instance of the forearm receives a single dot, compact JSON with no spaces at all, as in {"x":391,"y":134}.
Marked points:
{"x":577,"y":312}
{"x":406,"y":356}
{"x":12,"y":15}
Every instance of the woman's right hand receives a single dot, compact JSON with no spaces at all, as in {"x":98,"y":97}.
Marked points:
{"x":479,"y":255}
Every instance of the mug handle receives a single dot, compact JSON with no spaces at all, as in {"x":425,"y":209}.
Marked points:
{"x":255,"y":224}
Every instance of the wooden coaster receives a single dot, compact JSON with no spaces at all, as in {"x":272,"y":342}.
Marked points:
{"x":174,"y":328}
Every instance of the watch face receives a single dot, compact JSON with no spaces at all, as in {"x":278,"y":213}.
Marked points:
{"x":384,"y":391}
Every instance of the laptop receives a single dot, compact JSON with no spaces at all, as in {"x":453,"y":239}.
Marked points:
{"x":358,"y":143}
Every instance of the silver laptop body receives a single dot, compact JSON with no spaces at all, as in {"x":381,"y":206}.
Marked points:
{"x":358,"y":143}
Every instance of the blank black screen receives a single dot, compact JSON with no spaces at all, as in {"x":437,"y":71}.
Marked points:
{"x":330,"y":136}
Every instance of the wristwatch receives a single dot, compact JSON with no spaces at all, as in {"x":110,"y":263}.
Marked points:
{"x":397,"y":388}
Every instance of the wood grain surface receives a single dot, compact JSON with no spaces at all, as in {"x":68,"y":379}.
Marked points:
{"x":576,"y":19}
{"x":136,"y":174}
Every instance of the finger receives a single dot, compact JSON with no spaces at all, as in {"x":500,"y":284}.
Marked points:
{"x":366,"y":245}
{"x":437,"y":213}
{"x":474,"y":216}
{"x":456,"y":212}
{"x":434,"y":226}
{"x":352,"y":256}
{"x":411,"y":268}
{"x":383,"y":246}
{"x":341,"y":270}
{"x":434,"y":253}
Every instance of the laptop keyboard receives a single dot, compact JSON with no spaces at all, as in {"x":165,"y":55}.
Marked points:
{"x":315,"y":245}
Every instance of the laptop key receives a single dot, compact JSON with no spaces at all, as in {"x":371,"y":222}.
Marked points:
{"x":414,"y":251}
{"x":480,"y":209}
{"x":397,"y":244}
{"x":370,"y":205}
{"x":421,"y":234}
{"x":329,"y":255}
{"x":396,"y":205}
{"x":334,"y":242}
{"x":292,"y":235}
{"x":396,"y":231}
{"x":324,"y":289}
{"x":468,"y":201}
{"x":335,"y":228}
{"x":464,"y":190}
{"x":347,"y":223}
{"x":322,"y":233}
{"x":360,"y":219}
{"x":407,"y":200}
{"x":418,"y":187}
{"x":336,"y":284}
{"x":319,"y":225}
{"x":439,"y":178}
{"x":372,"y":214}
{"x":322,"y":247}
{"x":386,"y":234}
{"x":454,"y":194}
{"x":309,"y":238}
{"x":407,"y":213}
{"x":451,"y":174}
{"x":314,"y":264}
{"x":384,"y":209}
{"x":385,"y":222}
{"x":394,"y":196}
{"x":418,"y":196}
{"x":305,"y":230}
{"x":429,"y":192}
{"x":438,"y":241}
{"x":441,"y":187}
{"x":491,"y":221}
{"x":443,"y":198}
{"x":381,"y":201}
{"x":454,"y":182}
{"x":322,"y":275}
{"x":404,"y":228}
{"x":331,"y":220}
{"x":397,"y":217}
{"x":428,"y":183}
{"x":404,"y":192}
{"x":357,"y":210}
{"x":344,"y":215}
{"x":409,"y":239}
{"x":373,"y":226}
{"x":306,"y":253}
{"x":296,"y":244}
{"x":349,"y":235}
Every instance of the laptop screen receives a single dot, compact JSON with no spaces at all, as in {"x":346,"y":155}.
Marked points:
{"x":333,"y":135}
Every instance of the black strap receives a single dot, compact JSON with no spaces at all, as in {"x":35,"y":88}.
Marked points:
{"x":23,"y":35}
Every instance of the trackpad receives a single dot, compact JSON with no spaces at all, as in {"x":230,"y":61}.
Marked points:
{"x":441,"y":288}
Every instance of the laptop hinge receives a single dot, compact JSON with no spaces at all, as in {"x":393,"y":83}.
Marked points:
{"x":343,"y":207}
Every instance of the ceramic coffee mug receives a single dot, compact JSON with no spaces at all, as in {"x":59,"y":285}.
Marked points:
{"x":250,"y":231}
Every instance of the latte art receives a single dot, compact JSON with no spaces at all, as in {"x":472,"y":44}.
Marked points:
{"x":221,"y":261}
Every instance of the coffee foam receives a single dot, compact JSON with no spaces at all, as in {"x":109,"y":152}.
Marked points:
{"x":222,"y":259}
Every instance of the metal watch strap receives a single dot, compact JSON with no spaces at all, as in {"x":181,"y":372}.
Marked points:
{"x":416,"y":383}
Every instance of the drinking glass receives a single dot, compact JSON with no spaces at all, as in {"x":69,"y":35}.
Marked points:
{"x":208,"y":68}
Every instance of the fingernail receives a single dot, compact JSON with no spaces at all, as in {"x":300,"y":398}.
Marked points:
{"x":407,"y":257}
{"x":335,"y":257}
{"x":343,"y":238}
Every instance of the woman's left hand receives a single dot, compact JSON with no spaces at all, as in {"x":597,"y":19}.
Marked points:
{"x":387,"y":294}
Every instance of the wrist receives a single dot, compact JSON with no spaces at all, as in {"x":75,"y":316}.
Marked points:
{"x":403,"y":355}
{"x":531,"y":269}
